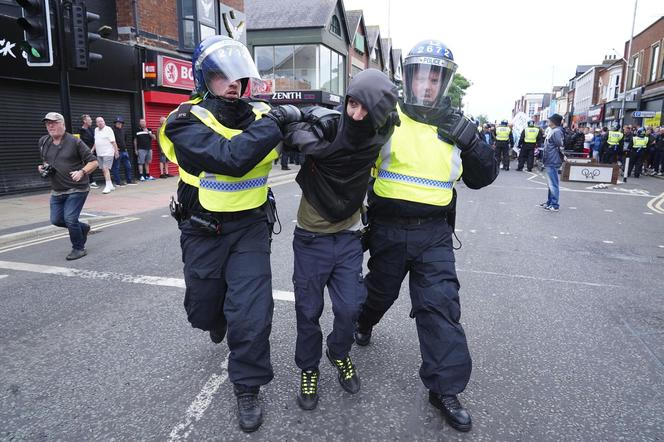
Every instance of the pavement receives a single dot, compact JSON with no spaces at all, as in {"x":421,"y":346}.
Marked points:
{"x":28,"y":215}
{"x":564,"y":314}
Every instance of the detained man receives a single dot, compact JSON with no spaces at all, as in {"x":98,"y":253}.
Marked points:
{"x":340,"y":148}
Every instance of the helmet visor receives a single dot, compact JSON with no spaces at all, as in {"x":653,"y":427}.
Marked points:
{"x":427,"y":80}
{"x":226,"y":61}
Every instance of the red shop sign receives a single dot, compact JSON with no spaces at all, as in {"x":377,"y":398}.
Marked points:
{"x":175,"y":73}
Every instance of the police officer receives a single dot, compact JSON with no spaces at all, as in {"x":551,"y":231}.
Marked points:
{"x":613,"y":144}
{"x":224,"y":151}
{"x":411,"y":214}
{"x":531,"y":138}
{"x":504,"y":142}
{"x":637,"y":151}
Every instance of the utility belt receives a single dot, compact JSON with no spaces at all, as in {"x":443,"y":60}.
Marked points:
{"x":406,"y":220}
{"x":212,"y":222}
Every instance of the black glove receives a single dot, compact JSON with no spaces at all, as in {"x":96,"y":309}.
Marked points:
{"x":391,"y":121}
{"x":285,"y":114}
{"x":324,"y":122}
{"x":458,"y":129}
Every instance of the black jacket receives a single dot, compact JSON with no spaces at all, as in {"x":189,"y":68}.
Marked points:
{"x":198,"y":148}
{"x":335,"y":174}
{"x":480,"y":169}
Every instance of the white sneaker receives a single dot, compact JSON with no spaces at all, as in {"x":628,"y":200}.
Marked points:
{"x":106,"y":190}
{"x":94,"y":185}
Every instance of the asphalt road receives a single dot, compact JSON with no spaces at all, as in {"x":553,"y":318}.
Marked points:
{"x":564,"y":314}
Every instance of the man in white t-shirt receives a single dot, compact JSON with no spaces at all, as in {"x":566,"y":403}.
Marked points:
{"x":106,"y":150}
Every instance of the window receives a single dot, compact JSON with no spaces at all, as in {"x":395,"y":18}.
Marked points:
{"x":373,"y":54}
{"x":359,"y":43}
{"x":335,"y":26}
{"x":301,"y":67}
{"x":634,"y":71}
{"x":614,"y":86}
{"x":654,"y":62}
{"x":531,"y":109}
{"x":198,"y":21}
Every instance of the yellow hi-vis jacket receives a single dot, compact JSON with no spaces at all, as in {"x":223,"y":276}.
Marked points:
{"x":531,"y":135}
{"x":221,"y":193}
{"x":416,"y":165}
{"x":503,"y":133}
{"x":614,"y":138}
{"x":639,"y":142}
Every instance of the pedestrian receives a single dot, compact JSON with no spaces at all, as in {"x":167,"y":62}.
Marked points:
{"x":487,"y":135}
{"x":326,"y":242}
{"x":224,"y":148}
{"x":163,"y":160}
{"x":123,"y":155}
{"x":658,"y":167}
{"x":596,"y":145}
{"x":553,"y":157}
{"x":66,"y":160}
{"x":411,"y":222}
{"x":107,"y":150}
{"x":504,"y":143}
{"x":87,"y":133}
{"x":623,"y":151}
{"x":143,"y":150}
{"x":530,"y":139}
{"x":637,"y":151}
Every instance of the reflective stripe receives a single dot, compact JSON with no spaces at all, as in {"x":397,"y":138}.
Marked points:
{"x":640,"y":142}
{"x":386,"y":154}
{"x":221,"y":186}
{"x":385,"y":174}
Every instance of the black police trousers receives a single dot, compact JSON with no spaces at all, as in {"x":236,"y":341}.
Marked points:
{"x":425,"y":252}
{"x":229,"y":275}
{"x":526,"y":156}
{"x":635,"y":162}
{"x":333,"y":261}
{"x":503,"y":153}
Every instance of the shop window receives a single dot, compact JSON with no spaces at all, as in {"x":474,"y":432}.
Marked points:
{"x":301,"y":67}
{"x":198,"y":20}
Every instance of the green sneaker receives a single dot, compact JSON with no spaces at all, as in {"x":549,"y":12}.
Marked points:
{"x":348,"y":378}
{"x":307,"y":398}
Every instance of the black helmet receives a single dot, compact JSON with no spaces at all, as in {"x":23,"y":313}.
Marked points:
{"x":531,"y":123}
{"x":503,"y":123}
{"x":641,"y":132}
{"x":428,"y":71}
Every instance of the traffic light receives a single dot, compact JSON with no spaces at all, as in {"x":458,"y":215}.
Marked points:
{"x":80,"y":53}
{"x":36,"y":24}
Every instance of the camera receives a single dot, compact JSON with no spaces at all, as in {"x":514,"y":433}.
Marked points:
{"x":47,"y":170}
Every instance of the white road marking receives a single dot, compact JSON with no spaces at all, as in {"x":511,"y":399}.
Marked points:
{"x":661,"y":247}
{"x":32,"y":242}
{"x":473,"y":231}
{"x":607,"y":242}
{"x":554,"y":237}
{"x":572,"y":208}
{"x":647,"y":213}
{"x":537,"y":278}
{"x":458,"y":230}
{"x":502,"y":202}
{"x":200,"y":404}
{"x":88,"y":214}
{"x":4,"y":276}
{"x":656,"y":203}
{"x":608,"y":210}
{"x":110,"y":276}
{"x":294,"y":221}
{"x":165,"y":216}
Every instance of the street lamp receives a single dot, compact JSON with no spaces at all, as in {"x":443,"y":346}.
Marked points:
{"x":627,"y":66}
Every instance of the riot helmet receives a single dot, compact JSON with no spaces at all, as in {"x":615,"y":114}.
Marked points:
{"x":221,"y":57}
{"x":531,"y":123}
{"x":428,"y":72}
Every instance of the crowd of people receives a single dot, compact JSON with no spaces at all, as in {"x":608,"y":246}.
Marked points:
{"x":111,"y":146}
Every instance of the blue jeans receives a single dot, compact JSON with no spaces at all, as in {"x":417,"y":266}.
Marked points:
{"x":115,"y":169}
{"x":554,"y":189}
{"x":65,"y":210}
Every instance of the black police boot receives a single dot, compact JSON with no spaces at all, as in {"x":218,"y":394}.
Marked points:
{"x":307,"y":398}
{"x":454,"y":413}
{"x":250,"y":413}
{"x":218,"y":333}
{"x":348,"y":378}
{"x":362,"y":334}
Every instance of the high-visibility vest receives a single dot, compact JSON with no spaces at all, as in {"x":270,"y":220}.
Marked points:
{"x":221,"y":193}
{"x":531,"y":135}
{"x":639,"y":142}
{"x":416,"y":165}
{"x":503,"y":133}
{"x":614,"y":137}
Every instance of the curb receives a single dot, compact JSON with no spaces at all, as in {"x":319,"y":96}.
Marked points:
{"x":41,"y":232}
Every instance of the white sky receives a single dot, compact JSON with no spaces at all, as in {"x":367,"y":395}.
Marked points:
{"x":507,"y":48}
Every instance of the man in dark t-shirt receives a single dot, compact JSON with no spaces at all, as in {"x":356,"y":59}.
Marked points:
{"x":87,"y":134}
{"x":66,"y":161}
{"x":143,"y":149}
{"x":123,"y":155}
